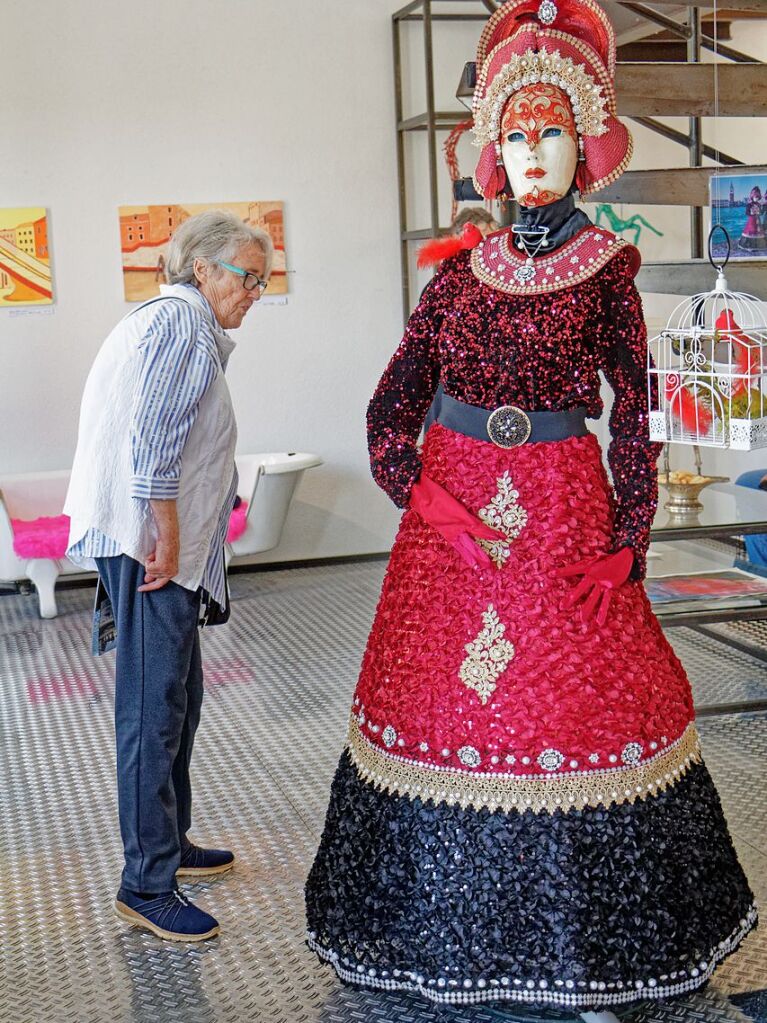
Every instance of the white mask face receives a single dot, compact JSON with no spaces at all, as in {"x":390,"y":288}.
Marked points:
{"x":539,"y":144}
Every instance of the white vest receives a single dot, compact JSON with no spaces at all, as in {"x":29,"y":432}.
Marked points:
{"x":99,"y":489}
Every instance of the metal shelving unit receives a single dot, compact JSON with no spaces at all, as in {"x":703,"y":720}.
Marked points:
{"x":431,"y":121}
{"x":646,"y":91}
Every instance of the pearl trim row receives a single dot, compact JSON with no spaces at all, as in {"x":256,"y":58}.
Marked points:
{"x":589,"y":104}
{"x":554,"y":790}
{"x":580,"y":993}
{"x":549,"y":759}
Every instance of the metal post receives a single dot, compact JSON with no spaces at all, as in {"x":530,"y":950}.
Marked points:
{"x":431,"y":128}
{"x":696,"y":137}
{"x":401,"y":170}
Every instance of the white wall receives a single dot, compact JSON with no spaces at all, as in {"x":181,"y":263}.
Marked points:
{"x":109,"y":104}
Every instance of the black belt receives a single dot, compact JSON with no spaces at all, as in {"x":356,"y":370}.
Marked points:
{"x":507,"y":426}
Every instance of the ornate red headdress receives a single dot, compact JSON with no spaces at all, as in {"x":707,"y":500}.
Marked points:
{"x":571,"y":44}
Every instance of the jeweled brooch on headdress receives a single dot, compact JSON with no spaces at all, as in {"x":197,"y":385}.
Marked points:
{"x":547,"y":12}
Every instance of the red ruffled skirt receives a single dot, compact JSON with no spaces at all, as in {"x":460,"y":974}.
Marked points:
{"x":492,"y":662}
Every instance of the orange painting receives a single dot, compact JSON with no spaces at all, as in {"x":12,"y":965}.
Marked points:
{"x":146,"y":230}
{"x":25,"y":265}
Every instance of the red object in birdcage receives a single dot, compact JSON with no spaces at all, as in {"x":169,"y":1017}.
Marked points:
{"x":706,"y":372}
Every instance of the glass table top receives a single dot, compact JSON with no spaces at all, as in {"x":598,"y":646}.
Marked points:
{"x":727,"y":510}
{"x":688,"y":582}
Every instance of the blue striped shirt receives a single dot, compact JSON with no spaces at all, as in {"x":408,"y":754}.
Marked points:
{"x":180,"y":360}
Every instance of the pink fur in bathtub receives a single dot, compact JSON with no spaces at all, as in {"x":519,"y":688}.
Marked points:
{"x":41,"y":538}
{"x":47,"y":537}
{"x":237,"y":522}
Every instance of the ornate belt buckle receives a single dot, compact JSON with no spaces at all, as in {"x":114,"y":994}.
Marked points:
{"x":508,"y":426}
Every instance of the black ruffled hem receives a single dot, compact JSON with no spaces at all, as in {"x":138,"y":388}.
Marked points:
{"x":586,"y":909}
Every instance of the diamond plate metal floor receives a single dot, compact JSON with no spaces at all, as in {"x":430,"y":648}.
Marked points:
{"x":280,"y":674}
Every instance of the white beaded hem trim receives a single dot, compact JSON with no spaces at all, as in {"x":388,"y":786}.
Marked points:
{"x":599,"y":993}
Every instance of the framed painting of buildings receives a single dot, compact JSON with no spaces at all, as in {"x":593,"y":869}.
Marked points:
{"x":146,"y":230}
{"x":739,"y":204}
{"x":25,"y":265}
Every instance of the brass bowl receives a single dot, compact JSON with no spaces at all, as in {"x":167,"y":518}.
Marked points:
{"x":683,"y":498}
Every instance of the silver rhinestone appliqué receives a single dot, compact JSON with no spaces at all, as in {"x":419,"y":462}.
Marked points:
{"x":632,"y":754}
{"x":525,"y":273}
{"x":389,"y":736}
{"x":551,"y":759}
{"x":547,"y":12}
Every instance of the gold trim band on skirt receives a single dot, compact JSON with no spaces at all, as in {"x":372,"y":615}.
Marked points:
{"x":508,"y":792}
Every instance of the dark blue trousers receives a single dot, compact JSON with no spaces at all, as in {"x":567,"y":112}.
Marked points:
{"x":158,"y":696}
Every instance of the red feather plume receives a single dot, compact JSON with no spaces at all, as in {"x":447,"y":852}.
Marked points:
{"x":435,"y":251}
{"x":746,"y":361}
{"x":694,"y":415}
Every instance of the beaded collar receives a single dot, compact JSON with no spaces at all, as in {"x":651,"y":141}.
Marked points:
{"x":496,"y":262}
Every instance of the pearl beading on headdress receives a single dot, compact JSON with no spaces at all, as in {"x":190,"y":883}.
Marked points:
{"x":590,"y":105}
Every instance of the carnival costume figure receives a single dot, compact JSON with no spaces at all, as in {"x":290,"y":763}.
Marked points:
{"x":521,"y":812}
{"x":753,"y":236}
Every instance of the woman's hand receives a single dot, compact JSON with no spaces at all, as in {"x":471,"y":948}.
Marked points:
{"x":452,"y":520}
{"x":601,"y":577}
{"x":162,"y":564}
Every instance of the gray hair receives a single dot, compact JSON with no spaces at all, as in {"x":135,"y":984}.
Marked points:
{"x":212,"y":235}
{"x":472,"y":215}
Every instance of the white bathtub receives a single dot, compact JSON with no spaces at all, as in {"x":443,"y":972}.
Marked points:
{"x":31,"y":496}
{"x":267,"y":483}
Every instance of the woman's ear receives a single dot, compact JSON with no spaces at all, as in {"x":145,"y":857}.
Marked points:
{"x":200,"y":268}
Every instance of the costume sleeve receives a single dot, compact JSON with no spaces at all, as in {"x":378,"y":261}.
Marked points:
{"x":404,"y":393}
{"x":177,"y":367}
{"x":631,"y":455}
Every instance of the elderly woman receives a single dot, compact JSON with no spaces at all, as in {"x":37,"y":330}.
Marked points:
{"x":152,"y":487}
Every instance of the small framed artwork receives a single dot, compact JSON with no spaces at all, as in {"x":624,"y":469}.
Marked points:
{"x":739,"y":205}
{"x":25,"y":264}
{"x":146,"y":230}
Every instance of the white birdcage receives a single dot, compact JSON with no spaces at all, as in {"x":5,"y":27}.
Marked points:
{"x":710,"y":368}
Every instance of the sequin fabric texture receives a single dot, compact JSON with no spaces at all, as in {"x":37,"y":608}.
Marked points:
{"x":522,"y":811}
{"x":536,"y":352}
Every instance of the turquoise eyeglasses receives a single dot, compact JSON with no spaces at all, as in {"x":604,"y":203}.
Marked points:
{"x":250,"y":281}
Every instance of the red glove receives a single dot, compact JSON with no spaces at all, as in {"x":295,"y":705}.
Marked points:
{"x":450,"y":518}
{"x":601,"y":576}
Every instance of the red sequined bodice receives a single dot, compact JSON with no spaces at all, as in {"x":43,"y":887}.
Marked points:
{"x":541,"y":351}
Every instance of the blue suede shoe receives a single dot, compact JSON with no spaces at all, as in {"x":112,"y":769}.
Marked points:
{"x":197,"y":862}
{"x":170,"y":915}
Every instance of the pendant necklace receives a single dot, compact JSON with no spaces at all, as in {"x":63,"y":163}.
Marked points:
{"x":526,"y":272}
